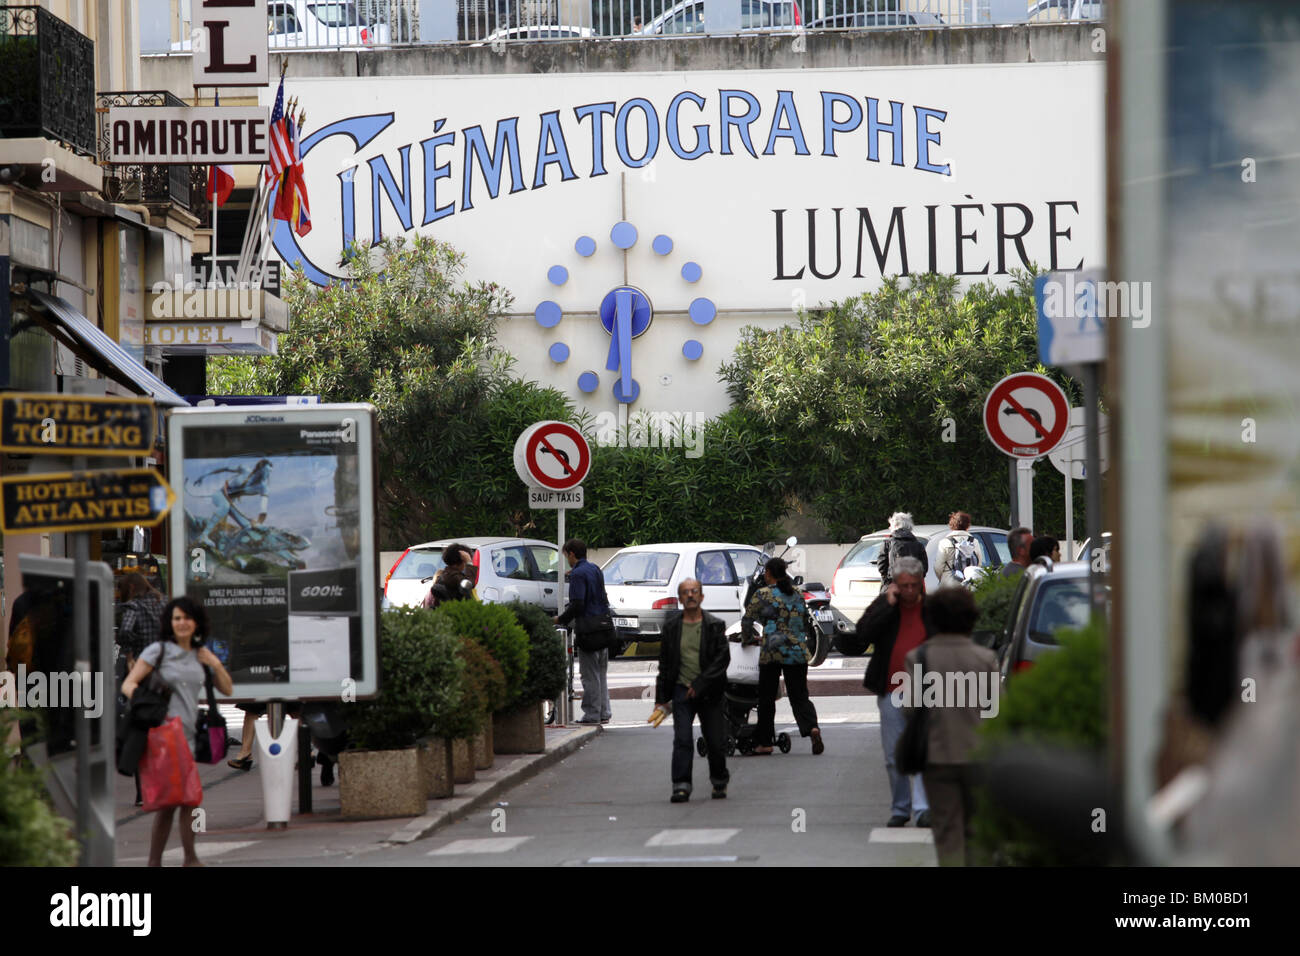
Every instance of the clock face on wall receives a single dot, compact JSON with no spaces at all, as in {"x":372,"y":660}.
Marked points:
{"x":625,"y":311}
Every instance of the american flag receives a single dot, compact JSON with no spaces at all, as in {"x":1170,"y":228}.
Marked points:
{"x":291,"y":202}
{"x":281,"y":149}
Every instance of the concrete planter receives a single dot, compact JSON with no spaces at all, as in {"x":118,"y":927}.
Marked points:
{"x":521,"y":730}
{"x":439,"y":777}
{"x":484,"y":755}
{"x":462,"y":759}
{"x":382,"y":783}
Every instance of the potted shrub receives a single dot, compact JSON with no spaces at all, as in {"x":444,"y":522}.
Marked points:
{"x":520,"y":728}
{"x":382,"y":773}
{"x":31,"y":832}
{"x":488,"y":689}
{"x":496,"y":630}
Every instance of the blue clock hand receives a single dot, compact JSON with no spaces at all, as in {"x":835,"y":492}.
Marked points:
{"x":623,"y":336}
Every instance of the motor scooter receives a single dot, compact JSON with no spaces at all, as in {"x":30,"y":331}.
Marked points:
{"x":820,"y":619}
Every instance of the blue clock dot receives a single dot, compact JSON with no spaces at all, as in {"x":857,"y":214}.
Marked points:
{"x":623,"y":235}
{"x":702,"y":311}
{"x":274,"y":748}
{"x":588,"y":381}
{"x":663,"y":245}
{"x":548,"y":314}
{"x":559,"y":352}
{"x":558,"y":275}
{"x":618,"y":391}
{"x":692,"y":349}
{"x":691,"y":272}
{"x":585,"y":246}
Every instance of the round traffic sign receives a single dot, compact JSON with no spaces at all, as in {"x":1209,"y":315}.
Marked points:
{"x":1026,"y":415}
{"x":552,"y":455}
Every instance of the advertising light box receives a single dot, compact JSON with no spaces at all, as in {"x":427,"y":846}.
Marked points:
{"x":274,"y":534}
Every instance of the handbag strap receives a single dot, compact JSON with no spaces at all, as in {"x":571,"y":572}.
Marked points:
{"x":207,"y":680}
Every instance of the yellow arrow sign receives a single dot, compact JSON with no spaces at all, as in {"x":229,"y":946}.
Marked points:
{"x":83,"y":500}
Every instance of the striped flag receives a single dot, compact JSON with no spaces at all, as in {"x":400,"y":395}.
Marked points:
{"x":221,"y":179}
{"x":280,"y":150}
{"x":291,"y":202}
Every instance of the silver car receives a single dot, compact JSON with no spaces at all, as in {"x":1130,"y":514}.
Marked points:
{"x":1049,"y":598}
{"x":509,"y":569}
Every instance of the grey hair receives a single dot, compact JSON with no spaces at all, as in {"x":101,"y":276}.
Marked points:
{"x":908,"y":565}
{"x":900,"y":521}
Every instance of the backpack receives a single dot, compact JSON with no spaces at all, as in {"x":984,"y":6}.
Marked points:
{"x":964,"y":553}
{"x":907,"y":548}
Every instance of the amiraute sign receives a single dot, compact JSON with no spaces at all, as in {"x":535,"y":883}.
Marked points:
{"x":188,"y":135}
{"x":780,"y":184}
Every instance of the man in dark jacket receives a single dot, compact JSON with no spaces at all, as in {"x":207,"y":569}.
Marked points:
{"x":588,"y":605}
{"x":901,"y":544}
{"x":896,"y":623}
{"x":693,"y":659}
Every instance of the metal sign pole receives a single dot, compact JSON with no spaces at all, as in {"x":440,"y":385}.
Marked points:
{"x":81,"y":655}
{"x":1092,"y":472}
{"x":562,"y":589}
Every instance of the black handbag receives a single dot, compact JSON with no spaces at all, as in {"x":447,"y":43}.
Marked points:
{"x":209,"y":728}
{"x":592,"y":632}
{"x":913,"y":749}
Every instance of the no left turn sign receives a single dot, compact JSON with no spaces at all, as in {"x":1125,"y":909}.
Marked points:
{"x":1026,"y":415}
{"x":552,"y":455}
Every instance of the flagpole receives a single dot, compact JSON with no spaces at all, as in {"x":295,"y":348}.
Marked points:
{"x":212,"y":188}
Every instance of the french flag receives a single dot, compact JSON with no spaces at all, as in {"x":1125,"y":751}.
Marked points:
{"x":221,"y":179}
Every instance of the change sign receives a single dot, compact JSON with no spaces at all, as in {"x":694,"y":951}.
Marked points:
{"x":32,"y":423}
{"x":83,"y":501}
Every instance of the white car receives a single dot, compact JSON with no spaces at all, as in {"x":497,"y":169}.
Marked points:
{"x":509,"y":569}
{"x":334,"y":24}
{"x":857,"y":580}
{"x":688,"y":17}
{"x":535,"y":31}
{"x":641,"y":583}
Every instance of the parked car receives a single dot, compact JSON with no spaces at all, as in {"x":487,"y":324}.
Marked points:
{"x":509,"y":569}
{"x":642,"y":581}
{"x":688,"y":17}
{"x":857,"y":581}
{"x":332,"y":24}
{"x":847,"y":21}
{"x":1049,"y":598}
{"x":535,"y":31}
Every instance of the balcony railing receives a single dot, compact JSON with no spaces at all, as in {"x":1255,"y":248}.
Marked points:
{"x":47,"y":79}
{"x":378,"y":24}
{"x":150,"y":184}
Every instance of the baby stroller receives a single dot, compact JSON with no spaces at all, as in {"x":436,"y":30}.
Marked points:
{"x":739,"y":699}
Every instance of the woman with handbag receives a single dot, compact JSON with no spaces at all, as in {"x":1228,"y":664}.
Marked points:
{"x":780,"y":611}
{"x":181,"y":661}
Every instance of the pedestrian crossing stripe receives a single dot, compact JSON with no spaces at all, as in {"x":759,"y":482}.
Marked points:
{"x":901,"y":835}
{"x":690,"y":837}
{"x":483,"y":845}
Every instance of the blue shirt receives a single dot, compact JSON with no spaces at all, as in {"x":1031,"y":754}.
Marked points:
{"x":586,"y":592}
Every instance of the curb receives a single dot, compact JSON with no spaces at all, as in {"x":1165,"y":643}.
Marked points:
{"x":483,"y":791}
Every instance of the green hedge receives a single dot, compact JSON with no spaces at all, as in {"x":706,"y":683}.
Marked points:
{"x":31,"y":833}
{"x":1059,"y":702}
{"x":546,"y":660}
{"x":422,"y":683}
{"x":497,"y":629}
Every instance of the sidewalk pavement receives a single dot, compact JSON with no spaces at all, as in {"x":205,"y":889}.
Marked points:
{"x":235,"y":832}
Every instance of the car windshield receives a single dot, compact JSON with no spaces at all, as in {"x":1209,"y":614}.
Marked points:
{"x":335,"y":14}
{"x":864,"y":553}
{"x":419,"y":564}
{"x":1059,"y":605}
{"x":640,"y":568}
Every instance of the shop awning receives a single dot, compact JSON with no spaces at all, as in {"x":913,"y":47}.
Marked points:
{"x":89,"y":341}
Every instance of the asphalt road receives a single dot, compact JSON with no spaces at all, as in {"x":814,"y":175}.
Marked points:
{"x":608,"y":805}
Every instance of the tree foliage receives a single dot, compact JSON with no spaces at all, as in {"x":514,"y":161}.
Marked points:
{"x":880,"y":400}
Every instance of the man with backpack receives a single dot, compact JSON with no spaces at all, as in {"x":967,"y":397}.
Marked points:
{"x":957,"y":551}
{"x":902,"y":543}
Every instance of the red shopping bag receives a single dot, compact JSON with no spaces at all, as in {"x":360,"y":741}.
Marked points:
{"x":168,"y":776}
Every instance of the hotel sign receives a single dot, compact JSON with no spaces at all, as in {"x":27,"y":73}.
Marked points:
{"x":33,"y":423}
{"x":188,"y":135}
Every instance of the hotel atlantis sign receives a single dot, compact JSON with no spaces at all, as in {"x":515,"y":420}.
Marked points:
{"x":188,"y":135}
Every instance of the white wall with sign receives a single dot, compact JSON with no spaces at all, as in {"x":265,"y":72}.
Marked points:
{"x":772,"y":190}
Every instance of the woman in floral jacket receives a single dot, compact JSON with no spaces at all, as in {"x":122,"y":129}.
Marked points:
{"x":779,"y":610}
